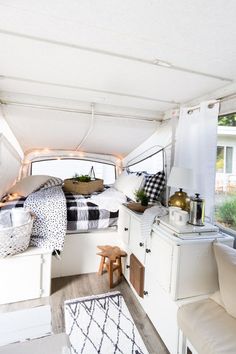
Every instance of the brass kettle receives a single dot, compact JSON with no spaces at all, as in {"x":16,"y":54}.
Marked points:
{"x":180,"y":199}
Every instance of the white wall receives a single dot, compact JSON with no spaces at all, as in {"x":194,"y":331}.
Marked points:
{"x":7,"y":132}
{"x":11,"y":155}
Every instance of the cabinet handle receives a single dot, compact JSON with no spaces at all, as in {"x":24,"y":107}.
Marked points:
{"x":145,"y":292}
{"x":148,"y":250}
{"x":126,"y":229}
{"x":141,"y":244}
{"x":127,"y":266}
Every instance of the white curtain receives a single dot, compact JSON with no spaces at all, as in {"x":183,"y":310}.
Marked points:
{"x":196,"y":141}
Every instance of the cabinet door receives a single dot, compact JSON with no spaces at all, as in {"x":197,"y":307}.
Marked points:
{"x":159,"y":262}
{"x":157,"y":300}
{"x":124,"y":226}
{"x":20,"y":278}
{"x":136,"y":244}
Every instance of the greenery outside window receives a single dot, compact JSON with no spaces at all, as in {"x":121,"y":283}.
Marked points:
{"x":225,"y":188}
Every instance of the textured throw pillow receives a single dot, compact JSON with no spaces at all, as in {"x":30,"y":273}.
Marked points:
{"x":154,"y":185}
{"x":28,"y":185}
{"x":52,"y":182}
{"x":226,"y":264}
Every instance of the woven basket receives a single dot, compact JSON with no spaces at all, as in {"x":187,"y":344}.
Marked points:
{"x":70,"y":185}
{"x":15,"y":239}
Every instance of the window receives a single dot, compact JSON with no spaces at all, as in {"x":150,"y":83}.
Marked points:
{"x":224,"y":159}
{"x":150,"y":165}
{"x":225,"y":188}
{"x":66,"y":168}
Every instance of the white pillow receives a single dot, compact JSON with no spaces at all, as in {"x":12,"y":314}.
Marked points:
{"x":28,"y":185}
{"x":129,"y":184}
{"x":121,"y":181}
{"x":226,"y":264}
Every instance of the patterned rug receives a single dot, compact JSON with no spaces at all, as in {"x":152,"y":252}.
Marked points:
{"x":102,"y":324}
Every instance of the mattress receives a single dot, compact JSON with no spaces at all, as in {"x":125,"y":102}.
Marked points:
{"x":82,"y":214}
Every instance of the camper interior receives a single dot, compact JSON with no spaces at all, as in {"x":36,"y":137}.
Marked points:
{"x":117,"y":177}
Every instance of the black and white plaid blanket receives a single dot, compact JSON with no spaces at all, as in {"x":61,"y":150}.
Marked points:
{"x":84,"y":215}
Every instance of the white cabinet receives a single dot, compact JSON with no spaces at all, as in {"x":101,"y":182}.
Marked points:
{"x":25,"y":276}
{"x":130,"y":234}
{"x":179,"y":267}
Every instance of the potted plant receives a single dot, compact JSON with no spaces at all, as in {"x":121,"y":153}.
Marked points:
{"x":83,"y":184}
{"x":81,"y":178}
{"x":142,"y":197}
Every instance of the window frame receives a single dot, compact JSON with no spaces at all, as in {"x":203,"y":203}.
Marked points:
{"x":223,"y":229}
{"x":77,"y":159}
{"x":225,"y":148}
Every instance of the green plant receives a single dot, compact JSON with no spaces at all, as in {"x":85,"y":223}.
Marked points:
{"x":226,"y":212}
{"x":141,"y":197}
{"x":81,"y":178}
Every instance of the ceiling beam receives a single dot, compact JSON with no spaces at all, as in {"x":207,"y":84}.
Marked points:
{"x":121,"y":94}
{"x":80,"y":111}
{"x":156,"y":62}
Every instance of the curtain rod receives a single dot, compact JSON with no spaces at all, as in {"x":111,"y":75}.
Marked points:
{"x":211,"y":105}
{"x":81,"y":111}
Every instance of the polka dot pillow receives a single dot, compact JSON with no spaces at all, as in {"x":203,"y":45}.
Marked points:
{"x":154,"y":185}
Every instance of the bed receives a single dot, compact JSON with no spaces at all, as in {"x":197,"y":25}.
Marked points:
{"x":82,"y":213}
{"x":73,"y":223}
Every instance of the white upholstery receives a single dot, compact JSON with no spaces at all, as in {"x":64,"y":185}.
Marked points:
{"x":226,"y":264}
{"x":210,"y":325}
{"x":209,"y":328}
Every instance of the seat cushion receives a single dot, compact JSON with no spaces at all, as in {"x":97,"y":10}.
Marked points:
{"x":226,"y":264}
{"x":209,"y":328}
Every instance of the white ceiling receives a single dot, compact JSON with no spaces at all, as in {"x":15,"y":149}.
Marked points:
{"x":65,"y":130}
{"x":77,"y":52}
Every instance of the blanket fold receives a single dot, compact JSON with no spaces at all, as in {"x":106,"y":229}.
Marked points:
{"x":49,"y":229}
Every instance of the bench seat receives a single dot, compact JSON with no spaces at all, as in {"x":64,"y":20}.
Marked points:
{"x":208,"y":327}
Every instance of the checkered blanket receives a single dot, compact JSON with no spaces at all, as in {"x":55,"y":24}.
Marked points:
{"x":82,"y":214}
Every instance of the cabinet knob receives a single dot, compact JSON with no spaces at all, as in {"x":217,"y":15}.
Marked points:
{"x":126,"y":229}
{"x":145,"y":292}
{"x":148,"y":250}
{"x":141,"y":244}
{"x":127,"y":266}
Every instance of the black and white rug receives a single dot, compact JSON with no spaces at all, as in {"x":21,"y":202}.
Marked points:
{"x":102,"y":324}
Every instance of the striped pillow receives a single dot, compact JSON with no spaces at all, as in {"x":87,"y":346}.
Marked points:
{"x":51,"y":182}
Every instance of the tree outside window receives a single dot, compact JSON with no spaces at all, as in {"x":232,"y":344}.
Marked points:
{"x":225,"y":189}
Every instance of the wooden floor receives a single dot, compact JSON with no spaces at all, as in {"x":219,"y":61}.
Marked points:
{"x":88,"y":284}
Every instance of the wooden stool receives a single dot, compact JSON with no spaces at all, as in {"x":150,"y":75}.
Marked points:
{"x":111,"y":260}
